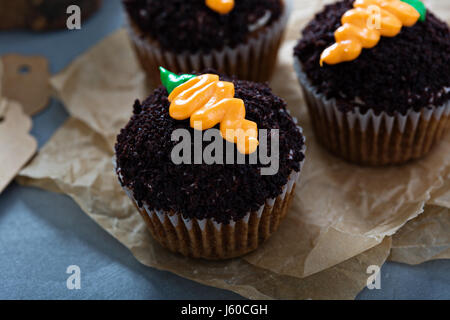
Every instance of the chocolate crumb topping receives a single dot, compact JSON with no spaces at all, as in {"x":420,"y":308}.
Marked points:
{"x":407,"y":72}
{"x":222,"y":192}
{"x":180,"y":25}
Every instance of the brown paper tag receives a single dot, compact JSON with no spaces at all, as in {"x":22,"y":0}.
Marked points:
{"x":16,"y":144}
{"x":26,"y":80}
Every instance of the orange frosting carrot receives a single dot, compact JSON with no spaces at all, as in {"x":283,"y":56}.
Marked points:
{"x":207,"y":101}
{"x":363,"y":26}
{"x":221,"y":6}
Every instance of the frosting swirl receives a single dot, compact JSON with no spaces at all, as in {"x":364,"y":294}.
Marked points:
{"x":221,"y":6}
{"x":207,"y":101}
{"x":364,"y":25}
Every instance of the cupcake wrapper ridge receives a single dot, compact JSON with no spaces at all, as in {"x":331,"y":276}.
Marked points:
{"x":210,"y":240}
{"x":254,"y":60}
{"x":371,"y":139}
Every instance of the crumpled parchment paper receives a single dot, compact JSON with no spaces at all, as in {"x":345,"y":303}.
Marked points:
{"x":423,"y":239}
{"x":427,"y":237}
{"x":342,"y":215}
{"x":441,"y":197}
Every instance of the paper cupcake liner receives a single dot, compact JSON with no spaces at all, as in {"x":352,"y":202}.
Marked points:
{"x":371,"y":139}
{"x":215,"y":241}
{"x":254,"y":60}
{"x":210,"y":240}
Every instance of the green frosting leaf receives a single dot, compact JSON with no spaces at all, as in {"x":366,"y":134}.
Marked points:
{"x":419,"y":6}
{"x":171,"y":80}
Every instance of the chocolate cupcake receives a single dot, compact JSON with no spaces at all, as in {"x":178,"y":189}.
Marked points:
{"x":213,"y":210}
{"x":377,"y":95}
{"x":240,"y":39}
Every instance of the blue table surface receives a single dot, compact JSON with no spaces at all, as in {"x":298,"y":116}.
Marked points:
{"x":42,"y":233}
